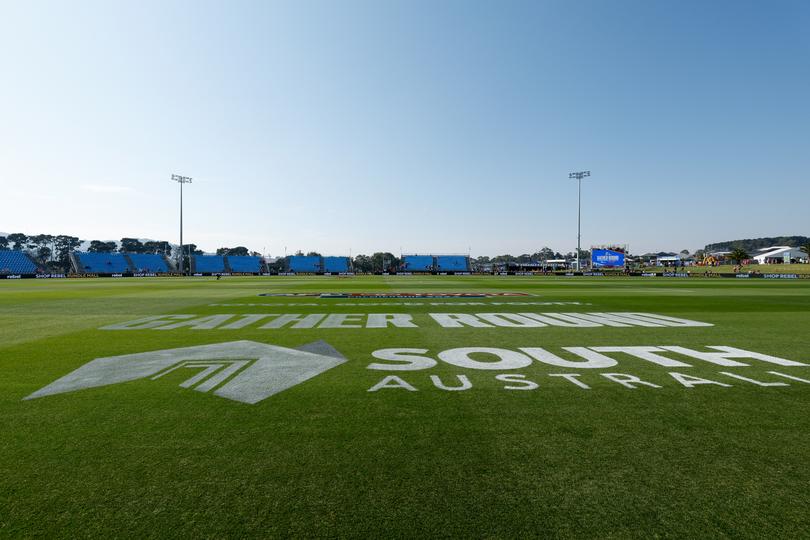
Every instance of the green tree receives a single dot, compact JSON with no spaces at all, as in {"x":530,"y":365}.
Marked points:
{"x":544,"y":254}
{"x":281,"y":264}
{"x":191,"y":248}
{"x":43,"y":255}
{"x":738,"y":255}
{"x":363,"y":263}
{"x":3,"y":242}
{"x":237,"y":251}
{"x":63,"y":245}
{"x":503,"y":259}
{"x":131,"y":245}
{"x":806,"y":250}
{"x":99,"y":246}
{"x":19,"y":240}
{"x":384,"y":262}
{"x":40,"y":246}
{"x":159,"y":247}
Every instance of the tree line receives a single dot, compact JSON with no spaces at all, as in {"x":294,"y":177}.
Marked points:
{"x":383,"y":261}
{"x":751,"y":245}
{"x":52,"y":252}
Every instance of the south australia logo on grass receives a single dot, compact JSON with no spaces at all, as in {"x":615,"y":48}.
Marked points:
{"x":244,"y":371}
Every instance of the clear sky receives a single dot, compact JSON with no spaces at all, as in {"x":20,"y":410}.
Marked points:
{"x":426,"y":126}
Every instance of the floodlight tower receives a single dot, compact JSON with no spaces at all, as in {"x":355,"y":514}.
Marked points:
{"x":181,"y":180}
{"x":579,"y":176}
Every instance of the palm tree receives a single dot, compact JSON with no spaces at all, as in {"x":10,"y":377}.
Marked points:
{"x":806,"y":249}
{"x":738,"y":255}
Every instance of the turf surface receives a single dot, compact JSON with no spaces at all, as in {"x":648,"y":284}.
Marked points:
{"x":329,"y":458}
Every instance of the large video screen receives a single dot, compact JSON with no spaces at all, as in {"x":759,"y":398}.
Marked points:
{"x":606,"y":258}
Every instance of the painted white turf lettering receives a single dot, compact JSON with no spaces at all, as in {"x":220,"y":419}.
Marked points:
{"x":753,"y":381}
{"x":592,"y":359}
{"x":392,"y":381}
{"x":516,"y":378}
{"x":396,"y":320}
{"x":724,"y":358}
{"x":465,"y":383}
{"x":413,"y":362}
{"x":572,"y":378}
{"x":644,"y":353}
{"x":691,"y":381}
{"x":342,"y":320}
{"x":301,"y":321}
{"x":510,"y":320}
{"x":791,"y":377}
{"x":246,"y":320}
{"x":147,"y":322}
{"x":627,"y":380}
{"x":506,"y":359}
{"x":233,"y":321}
{"x":204,"y":323}
{"x":458,"y":320}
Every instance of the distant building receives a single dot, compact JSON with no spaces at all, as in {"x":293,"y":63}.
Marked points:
{"x":778,"y":254}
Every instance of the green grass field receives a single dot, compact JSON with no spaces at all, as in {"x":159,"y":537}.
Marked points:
{"x":328,"y":457}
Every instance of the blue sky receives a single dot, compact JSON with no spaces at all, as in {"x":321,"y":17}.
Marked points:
{"x":422,"y":126}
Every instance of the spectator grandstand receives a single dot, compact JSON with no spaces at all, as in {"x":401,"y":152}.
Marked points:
{"x":208,"y":264}
{"x":301,"y":263}
{"x":245,"y":263}
{"x":148,"y":262}
{"x":435,"y":263}
{"x":335,"y":265}
{"x":16,"y":262}
{"x":452,"y":263}
{"x":418,"y":263}
{"x":101,"y":263}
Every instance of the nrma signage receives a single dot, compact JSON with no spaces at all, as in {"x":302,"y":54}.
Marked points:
{"x":606,"y":258}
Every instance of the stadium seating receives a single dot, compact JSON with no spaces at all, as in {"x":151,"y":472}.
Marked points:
{"x":102,"y":263}
{"x":452,"y":263}
{"x":299,"y":263}
{"x":336,"y":264}
{"x":243,"y":263}
{"x":209,"y":263}
{"x":148,"y":262}
{"x":16,"y":262}
{"x":417,"y":263}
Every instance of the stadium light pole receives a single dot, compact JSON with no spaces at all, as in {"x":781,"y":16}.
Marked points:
{"x":579,"y":176}
{"x":181,"y":180}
